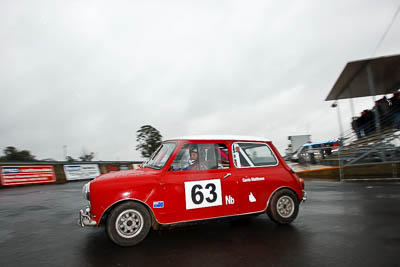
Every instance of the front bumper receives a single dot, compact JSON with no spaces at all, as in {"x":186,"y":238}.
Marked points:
{"x":304,"y":195}
{"x":85,"y":218}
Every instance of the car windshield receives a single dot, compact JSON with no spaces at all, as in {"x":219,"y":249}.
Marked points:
{"x":161,"y":156}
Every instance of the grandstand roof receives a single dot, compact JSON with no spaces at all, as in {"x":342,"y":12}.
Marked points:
{"x":353,"y":81}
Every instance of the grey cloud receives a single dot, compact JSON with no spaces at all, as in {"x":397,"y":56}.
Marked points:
{"x":89,"y":74}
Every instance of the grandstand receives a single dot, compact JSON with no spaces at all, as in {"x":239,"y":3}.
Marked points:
{"x":379,"y":138}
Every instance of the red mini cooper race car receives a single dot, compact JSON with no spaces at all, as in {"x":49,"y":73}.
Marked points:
{"x":193,"y":179}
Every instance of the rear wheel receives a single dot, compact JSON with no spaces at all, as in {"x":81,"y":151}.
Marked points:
{"x":283,"y":207}
{"x":128,"y":224}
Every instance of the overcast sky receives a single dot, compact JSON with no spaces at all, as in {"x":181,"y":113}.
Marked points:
{"x":88,"y":74}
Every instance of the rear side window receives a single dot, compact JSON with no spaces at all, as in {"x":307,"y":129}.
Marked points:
{"x":247,"y":155}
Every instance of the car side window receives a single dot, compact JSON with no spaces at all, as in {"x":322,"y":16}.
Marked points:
{"x":201,"y":157}
{"x":247,"y":155}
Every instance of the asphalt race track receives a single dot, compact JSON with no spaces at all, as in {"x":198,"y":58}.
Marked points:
{"x":342,"y":224}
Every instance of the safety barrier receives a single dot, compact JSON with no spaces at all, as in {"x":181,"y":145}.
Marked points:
{"x":26,"y":173}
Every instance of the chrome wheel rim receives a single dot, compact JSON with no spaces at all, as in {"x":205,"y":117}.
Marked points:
{"x":129,"y":223}
{"x":285,"y":206}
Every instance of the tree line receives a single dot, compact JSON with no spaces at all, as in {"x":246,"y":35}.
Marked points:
{"x":13,"y":154}
{"x":148,"y":138}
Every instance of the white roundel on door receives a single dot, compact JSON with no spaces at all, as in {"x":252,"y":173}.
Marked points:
{"x":202,"y":194}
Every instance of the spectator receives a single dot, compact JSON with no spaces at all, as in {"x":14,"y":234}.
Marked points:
{"x":395,"y":109}
{"x":355,"y":126}
{"x":370,"y":122}
{"x":383,"y":108}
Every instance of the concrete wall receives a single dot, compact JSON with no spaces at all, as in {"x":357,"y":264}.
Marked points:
{"x":320,"y":174}
{"x":361,"y":171}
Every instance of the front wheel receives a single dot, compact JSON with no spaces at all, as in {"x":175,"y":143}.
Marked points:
{"x":128,"y":224}
{"x":283,"y":207}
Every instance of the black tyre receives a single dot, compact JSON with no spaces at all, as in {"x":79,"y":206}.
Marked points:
{"x":283,"y":207}
{"x":128,"y":224}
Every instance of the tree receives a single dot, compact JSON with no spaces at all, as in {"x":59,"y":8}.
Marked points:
{"x":70,"y":159}
{"x":12,"y":154}
{"x":87,"y":156}
{"x":149,"y":139}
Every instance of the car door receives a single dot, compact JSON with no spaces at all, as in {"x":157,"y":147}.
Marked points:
{"x":207,"y":191}
{"x":255,"y":168}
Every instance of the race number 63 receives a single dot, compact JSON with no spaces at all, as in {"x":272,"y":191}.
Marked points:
{"x":202,"y":194}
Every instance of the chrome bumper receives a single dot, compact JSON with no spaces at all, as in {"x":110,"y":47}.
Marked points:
{"x":304,"y":195}
{"x":84,"y":218}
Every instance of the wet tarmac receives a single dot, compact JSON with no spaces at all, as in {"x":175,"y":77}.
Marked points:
{"x":342,"y":224}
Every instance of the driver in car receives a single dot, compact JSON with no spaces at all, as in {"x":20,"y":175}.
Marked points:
{"x":194,"y":163}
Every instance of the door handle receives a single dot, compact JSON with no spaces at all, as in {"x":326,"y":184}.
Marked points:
{"x":227,"y":175}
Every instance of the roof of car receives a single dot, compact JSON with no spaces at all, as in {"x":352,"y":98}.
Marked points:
{"x":222,"y":137}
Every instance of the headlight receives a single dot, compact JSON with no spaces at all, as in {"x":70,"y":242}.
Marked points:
{"x":86,"y":191}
